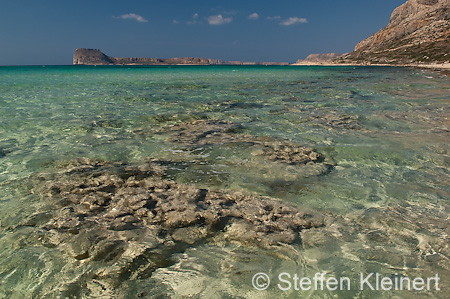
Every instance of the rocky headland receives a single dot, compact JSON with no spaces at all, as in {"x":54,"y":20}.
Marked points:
{"x":418,"y":33}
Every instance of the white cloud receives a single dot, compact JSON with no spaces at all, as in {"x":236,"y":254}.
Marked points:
{"x":219,"y":20}
{"x":274,"y":18}
{"x":133,"y":16}
{"x":253,"y":16}
{"x":293,"y":20}
{"x":195,"y":16}
{"x":175,"y":22}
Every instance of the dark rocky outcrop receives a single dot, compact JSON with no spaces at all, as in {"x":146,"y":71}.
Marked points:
{"x":96,"y":57}
{"x":418,"y":32}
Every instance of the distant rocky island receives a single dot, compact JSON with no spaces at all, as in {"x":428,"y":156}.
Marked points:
{"x":96,"y":57}
{"x":83,"y":56}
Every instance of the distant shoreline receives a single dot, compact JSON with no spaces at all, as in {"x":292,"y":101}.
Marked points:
{"x":440,"y":67}
{"x":435,"y":66}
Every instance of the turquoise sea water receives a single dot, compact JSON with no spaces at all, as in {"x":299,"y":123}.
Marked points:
{"x":386,"y":199}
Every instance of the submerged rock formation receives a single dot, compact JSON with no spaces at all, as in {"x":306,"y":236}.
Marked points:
{"x":128,"y":220}
{"x":208,"y":132}
{"x":418,"y":31}
{"x":96,"y":57}
{"x":118,"y":222}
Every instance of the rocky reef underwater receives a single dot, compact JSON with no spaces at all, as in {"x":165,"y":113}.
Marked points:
{"x":116,"y":223}
{"x":129,"y":219}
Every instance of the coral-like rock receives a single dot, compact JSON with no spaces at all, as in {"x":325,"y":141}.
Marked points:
{"x":132,"y":220}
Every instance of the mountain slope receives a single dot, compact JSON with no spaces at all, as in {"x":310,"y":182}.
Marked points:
{"x":418,"y":32}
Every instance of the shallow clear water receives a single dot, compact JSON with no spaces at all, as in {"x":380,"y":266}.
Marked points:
{"x":386,"y":200}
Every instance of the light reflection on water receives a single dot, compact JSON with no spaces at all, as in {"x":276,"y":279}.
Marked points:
{"x":386,"y":200}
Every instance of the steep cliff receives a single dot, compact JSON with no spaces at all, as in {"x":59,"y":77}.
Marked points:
{"x":90,"y":56}
{"x":96,"y":57}
{"x":418,"y":31}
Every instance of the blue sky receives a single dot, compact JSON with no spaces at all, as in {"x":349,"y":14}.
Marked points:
{"x":48,"y":31}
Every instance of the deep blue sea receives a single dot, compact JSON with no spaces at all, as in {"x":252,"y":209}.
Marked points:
{"x":385,"y":132}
